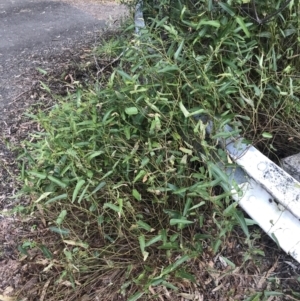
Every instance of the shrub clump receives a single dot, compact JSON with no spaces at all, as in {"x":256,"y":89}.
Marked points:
{"x":124,"y":170}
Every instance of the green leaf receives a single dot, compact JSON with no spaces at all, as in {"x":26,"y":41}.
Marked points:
{"x":79,"y":184}
{"x":140,"y":175}
{"x":239,"y":216}
{"x":152,"y":106}
{"x":218,"y":173}
{"x":178,"y":51}
{"x":135,"y":297}
{"x":61,"y":217}
{"x":100,"y":219}
{"x":144,"y":226}
{"x":217,"y":245}
{"x":57,"y":198}
{"x":230,"y":263}
{"x":258,"y":251}
{"x":225,"y":134}
{"x":39,"y":175}
{"x":131,"y":111}
{"x":99,"y":186}
{"x":185,"y":275}
{"x":250,"y":222}
{"x":136,"y":195}
{"x":112,"y":207}
{"x":57,"y":181}
{"x":43,"y":196}
{"x":181,"y":260}
{"x":168,"y":69}
{"x":213,"y":23}
{"x":273,"y":293}
{"x":267,"y":135}
{"x":240,"y":21}
{"x":125,"y":75}
{"x":247,"y":100}
{"x":153,"y":240}
{"x":264,"y":34}
{"x":169,"y":285}
{"x":275,"y":239}
{"x":142,"y":243}
{"x":142,"y":247}
{"x":107,"y":175}
{"x":156,"y":281}
{"x":171,"y":29}
{"x":22,"y":250}
{"x":59,"y":231}
{"x":76,"y":243}
{"x":175,"y":221}
{"x":45,"y":87}
{"x":94,"y":154}
{"x":186,"y":150}
{"x":169,"y":246}
{"x":227,"y":8}
{"x":46,"y":252}
{"x":175,"y":265}
{"x":255,"y":297}
{"x":197,"y":205}
{"x":185,"y":112}
{"x":145,"y":161}
{"x":42,"y":71}
{"x":83,"y":193}
{"x":187,"y":206}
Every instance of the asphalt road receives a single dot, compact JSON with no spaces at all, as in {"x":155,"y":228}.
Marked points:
{"x":31,"y":26}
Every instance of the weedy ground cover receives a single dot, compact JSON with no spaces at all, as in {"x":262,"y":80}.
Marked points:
{"x":121,"y":169}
